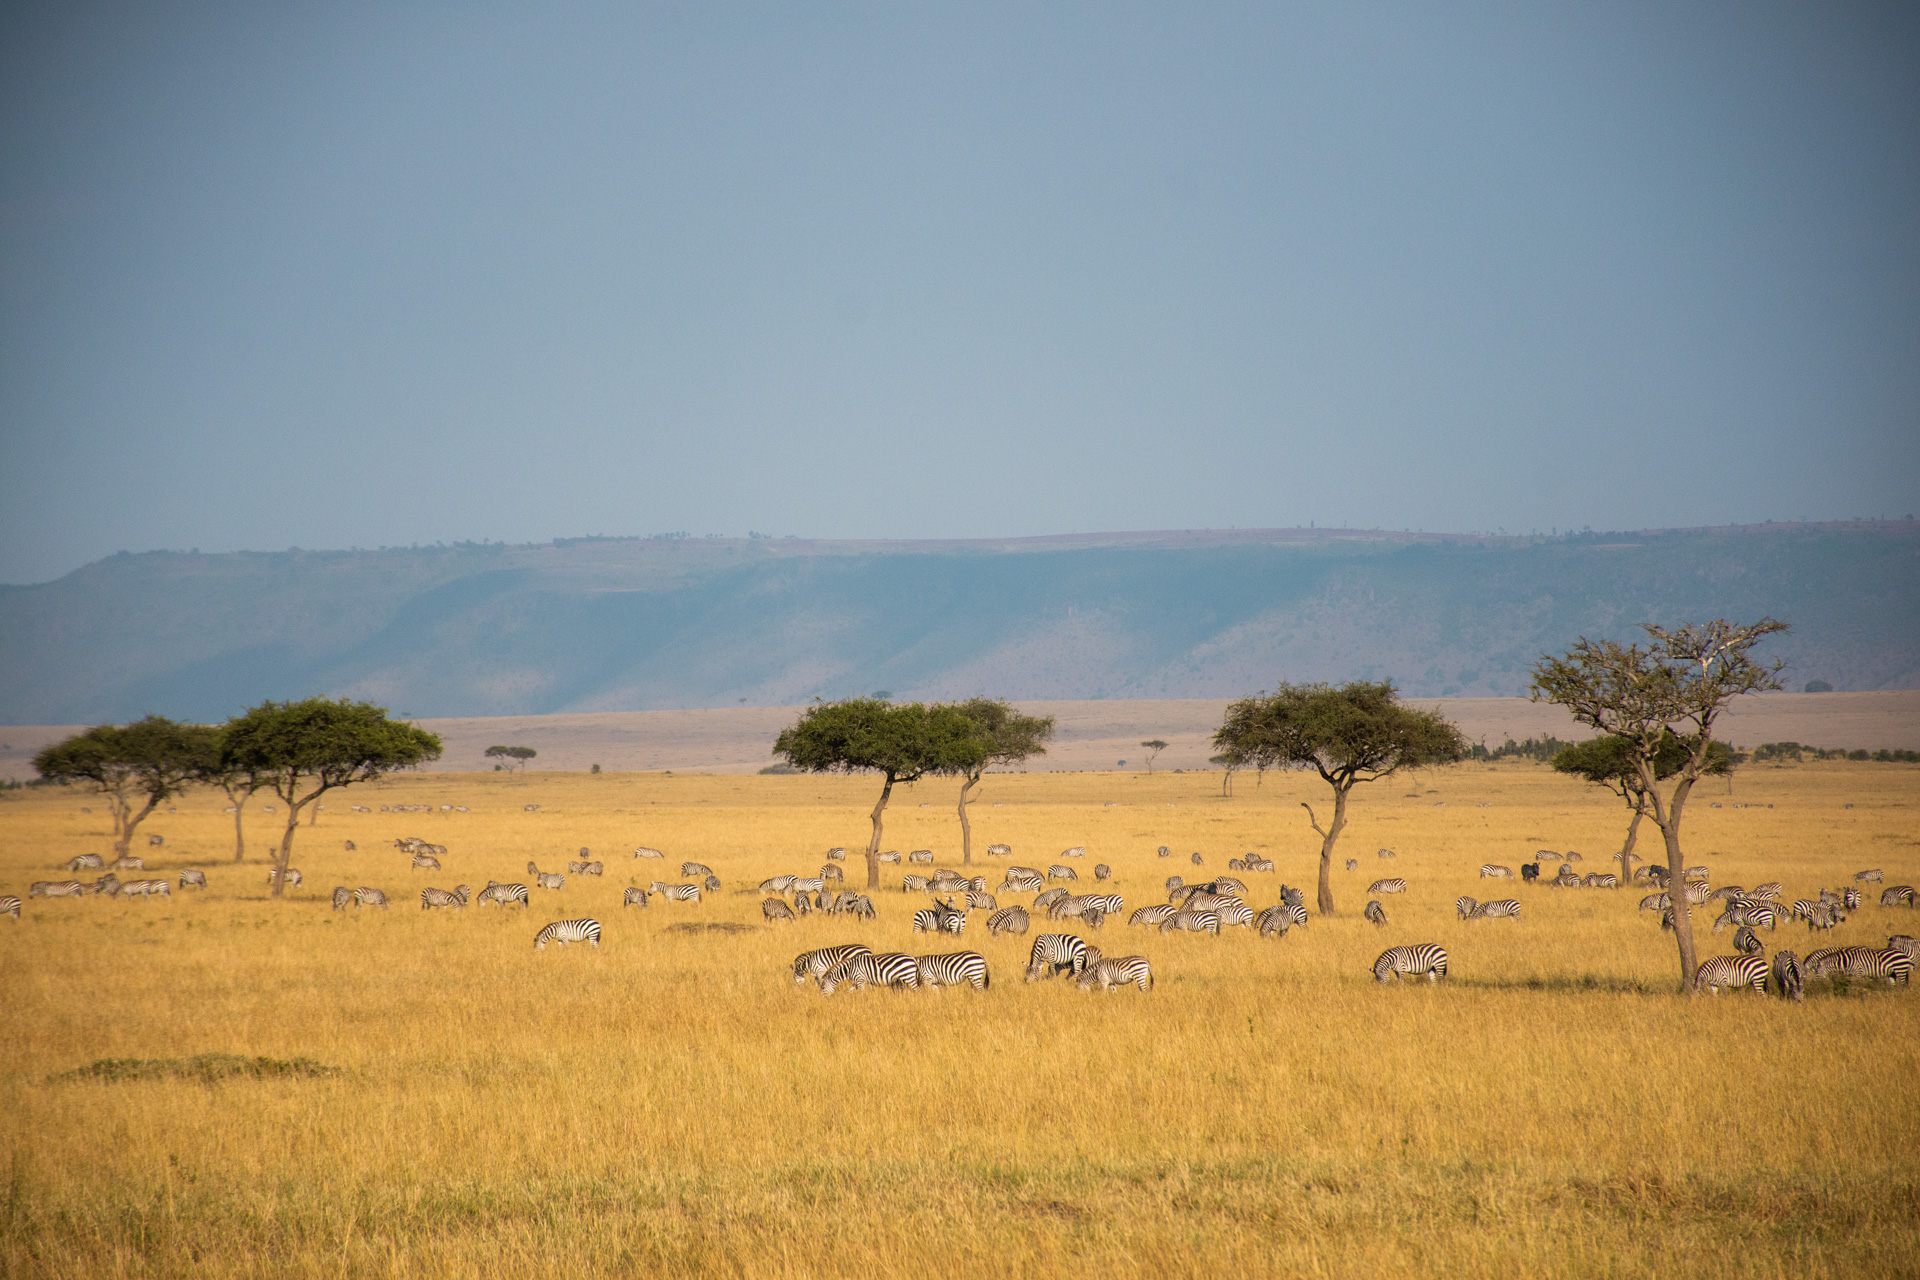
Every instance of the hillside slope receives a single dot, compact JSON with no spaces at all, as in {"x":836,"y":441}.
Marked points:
{"x":618,"y":625}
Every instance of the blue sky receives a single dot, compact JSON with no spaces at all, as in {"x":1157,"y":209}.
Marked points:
{"x":358,"y":275}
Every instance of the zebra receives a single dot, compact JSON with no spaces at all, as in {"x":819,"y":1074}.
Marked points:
{"x":1769,"y":890}
{"x":1174,"y":882}
{"x":87,"y":862}
{"x":365,"y":897}
{"x":812,"y":964}
{"x":1053,"y":953}
{"x":108,"y":884}
{"x":1900,"y":895}
{"x":1047,"y":899}
{"x":1121,"y":971}
{"x":1205,"y":901}
{"x":1273,"y":921}
{"x":953,"y":969}
{"x":837,"y":854}
{"x":1058,"y":872}
{"x":154,"y":842}
{"x":547,"y":879}
{"x":886,"y":969}
{"x":1014,"y":884}
{"x":920,"y":855}
{"x":1901,"y":942}
{"x":1732,"y":972}
{"x":1151,"y":916}
{"x":915,"y":884}
{"x":1199,"y":861}
{"x":1078,"y":851}
{"x":1498,"y":909}
{"x":1727,"y":891}
{"x":862,"y":907}
{"x":1746,"y":941}
{"x":9,"y":905}
{"x":586,"y":868}
{"x":1823,"y":916}
{"x":292,"y":876}
{"x":830,"y":872}
{"x":561,"y":932}
{"x":774,"y":909}
{"x":999,"y":851}
{"x":1236,"y":864}
{"x":981,"y":901}
{"x":778,"y":884}
{"x":1106,"y":903}
{"x":1868,"y":876}
{"x":1463,"y":906}
{"x":145,"y":888}
{"x":1546,"y":855}
{"x":1574,"y":857}
{"x":1007,"y":920}
{"x":1255,"y":863}
{"x":1227,"y":884}
{"x":504,"y":894}
{"x":1696,"y":893}
{"x":1378,"y":914}
{"x":343,"y":897}
{"x":691,"y":869}
{"x":1292,"y":896}
{"x":1383,"y":853}
{"x":644,"y":852}
{"x":425,"y":862}
{"x":1494,"y":871}
{"x":1786,"y":975}
{"x":939,"y":918}
{"x":1164,"y":851}
{"x":802,"y":905}
{"x":713,"y":884}
{"x":1234,"y":913}
{"x":1101,"y":871}
{"x":1803,"y":908}
{"x":1850,"y":899}
{"x":192,"y":878}
{"x":1192,"y":921}
{"x":1872,"y":962}
{"x":1353,"y":864}
{"x":1738,"y":915}
{"x":1393,"y":885}
{"x":1424,"y":957}
{"x":634,"y":897}
{"x":430,"y":898}
{"x":677,"y":892}
{"x":125,"y":863}
{"x":891,"y":855}
{"x":1601,"y":880}
{"x":813,"y":884}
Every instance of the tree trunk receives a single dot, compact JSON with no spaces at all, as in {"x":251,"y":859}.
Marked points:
{"x":126,"y":838}
{"x":1626,"y":850}
{"x":1667,"y":818}
{"x":966,"y":828}
{"x":239,"y":838}
{"x":1327,"y":841}
{"x":873,"y":844}
{"x":285,"y":853}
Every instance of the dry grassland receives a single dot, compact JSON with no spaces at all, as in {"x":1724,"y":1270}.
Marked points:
{"x":672,"y":1104}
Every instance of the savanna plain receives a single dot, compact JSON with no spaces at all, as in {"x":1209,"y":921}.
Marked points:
{"x":438,"y":1098}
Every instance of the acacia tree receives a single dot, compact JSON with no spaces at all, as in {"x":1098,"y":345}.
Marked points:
{"x":513,"y":755}
{"x":1228,"y":762}
{"x":1349,"y":734}
{"x":304,"y":749}
{"x":1154,"y":747}
{"x":1678,"y":684}
{"x":1608,"y":761}
{"x":134,"y":767}
{"x":903,"y":743}
{"x":1010,"y":737}
{"x":240,"y":784}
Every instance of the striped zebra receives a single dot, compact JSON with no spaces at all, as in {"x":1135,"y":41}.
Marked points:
{"x":1255,"y":863}
{"x":1353,"y":864}
{"x":1732,"y":972}
{"x":778,"y":884}
{"x":124,"y":863}
{"x":1048,"y":898}
{"x":1850,"y":899}
{"x":561,"y":932}
{"x":430,"y":898}
{"x":1234,"y":913}
{"x":713,"y":884}
{"x":1101,"y":871}
{"x":774,"y":909}
{"x":1392,"y":885}
{"x":837,"y":853}
{"x":1174,"y":882}
{"x":108,"y":884}
{"x":343,"y":897}
{"x":1758,"y":916}
{"x":915,"y":884}
{"x":1574,"y":857}
{"x":504,"y":895}
{"x":1293,"y":897}
{"x":547,"y":879}
{"x":1165,"y":852}
{"x":1421,"y":958}
{"x":929,"y":920}
{"x":978,"y":900}
{"x":1803,"y":908}
{"x":1120,"y":971}
{"x":1058,"y":872}
{"x":56,"y":889}
{"x":1727,"y":891}
{"x":192,"y":878}
{"x":1498,"y":909}
{"x":1865,"y":877}
{"x":830,"y":872}
{"x":1697,"y":894}
{"x":803,"y":904}
{"x":1078,"y":851}
{"x":1378,"y":914}
{"x":1824,"y":916}
{"x":293,"y":875}
{"x":1786,"y":975}
{"x":862,"y":907}
{"x":690,"y":869}
{"x":644,"y":852}
{"x":1463,"y":906}
{"x":891,"y":855}
{"x":154,"y":842}
{"x":1054,"y":953}
{"x":1192,"y":922}
{"x":425,"y":862}
{"x":801,"y":884}
{"x":920,"y":855}
{"x":1872,"y":962}
{"x":1273,"y":922}
{"x":1601,"y":880}
{"x":1494,"y":871}
{"x":886,"y":969}
{"x":87,"y":862}
{"x":365,"y":897}
{"x":1227,"y":884}
{"x":1198,"y":861}
{"x":1236,"y":864}
{"x":1902,"y":942}
{"x":953,"y":969}
{"x":9,"y":905}
{"x":676,"y":892}
{"x":1697,"y":874}
{"x":1007,"y":920}
{"x":1204,"y":900}
{"x":1018,"y":884}
{"x":1151,"y":916}
{"x":1025,"y":873}
{"x":1769,"y":890}
{"x":586,"y":868}
{"x":814,"y":964}
{"x":1900,"y":895}
{"x":1383,"y":853}
{"x":1746,"y":941}
{"x":146,"y":888}
{"x":634,"y":897}
{"x":999,"y":851}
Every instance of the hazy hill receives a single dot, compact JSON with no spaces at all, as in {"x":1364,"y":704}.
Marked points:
{"x":606,"y":625}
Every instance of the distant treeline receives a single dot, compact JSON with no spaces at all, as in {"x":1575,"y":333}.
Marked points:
{"x":1542,"y":750}
{"x":1795,"y":751}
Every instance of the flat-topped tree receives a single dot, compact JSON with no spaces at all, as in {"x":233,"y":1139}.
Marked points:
{"x":903,"y":743}
{"x":1608,"y":761}
{"x":1010,"y":737}
{"x":133,"y":766}
{"x":512,"y":755}
{"x":1679,"y":684}
{"x":1154,"y":747}
{"x":1349,"y":734}
{"x":305,"y":749}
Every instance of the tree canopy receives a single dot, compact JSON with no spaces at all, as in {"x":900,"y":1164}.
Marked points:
{"x":134,"y":766}
{"x":515,"y":755}
{"x":304,"y":749}
{"x":1348,"y":734}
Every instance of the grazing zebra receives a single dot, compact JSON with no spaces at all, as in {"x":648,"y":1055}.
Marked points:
{"x":10,"y":905}
{"x":1494,"y":871}
{"x":1394,"y":885}
{"x":778,"y":884}
{"x":155,"y":842}
{"x":1199,"y":861}
{"x":1234,"y":913}
{"x":802,"y":904}
{"x":108,"y":884}
{"x":87,"y":862}
{"x":1101,"y":871}
{"x":547,"y":879}
{"x":430,"y":898}
{"x":1850,"y":899}
{"x":561,"y":932}
{"x":1900,"y":895}
{"x":425,"y":862}
{"x":1866,"y":876}
{"x":1746,"y":941}
{"x":1272,"y":922}
{"x":1732,"y":972}
{"x":1047,"y":899}
{"x":1078,"y":851}
{"x":1151,"y":916}
{"x":1106,"y":903}
{"x":365,"y":897}
{"x":1259,"y":864}
{"x":677,"y":892}
{"x":812,"y":964}
{"x":1872,"y":962}
{"x":831,"y":872}
{"x":1292,"y":896}
{"x":1192,"y":922}
{"x":891,"y":855}
{"x":1498,"y":909}
{"x":1058,"y":872}
{"x":1053,"y":953}
{"x":772,"y":909}
{"x":1823,"y":916}
{"x":1545,"y":855}
{"x":1771,"y":889}
{"x":695,"y":869}
{"x":837,"y":854}
{"x":1602,"y":880}
{"x":981,"y":901}
{"x":124,"y":863}
{"x":862,"y":907}
{"x":644,"y":852}
{"x":1727,"y":891}
{"x":939,"y":918}
{"x":1803,"y":908}
{"x":953,"y":969}
{"x":1007,"y":920}
{"x":1121,"y":971}
{"x":1786,"y":975}
{"x":1742,"y":915}
{"x":1901,"y":942}
{"x":813,"y":884}
{"x":1700,"y":874}
{"x":1174,"y":882}
{"x":504,"y":894}
{"x":999,"y":851}
{"x":1697,"y":894}
{"x":920,"y":855}
{"x":146,"y":888}
{"x":343,"y":897}
{"x":1353,"y":864}
{"x":586,"y":868}
{"x":634,"y":897}
{"x":886,"y":969}
{"x":1463,"y":906}
{"x":1236,"y":864}
{"x":1383,"y":853}
{"x":192,"y":878}
{"x":713,"y":884}
{"x":915,"y":884}
{"x":1424,"y":957}
{"x":1378,"y":914}
{"x":293,"y":875}
{"x":1165,"y":852}
{"x":1227,"y":884}
{"x":1574,"y":857}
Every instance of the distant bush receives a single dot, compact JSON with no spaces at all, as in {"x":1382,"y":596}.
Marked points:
{"x":1540,"y":749}
{"x":1818,"y":686}
{"x":780,"y":768}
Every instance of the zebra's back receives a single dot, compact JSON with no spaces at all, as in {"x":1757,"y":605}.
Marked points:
{"x":1121,"y":971}
{"x":1732,"y":972}
{"x":1008,"y":920}
{"x":1422,"y":958}
{"x":953,"y":969}
{"x":561,"y":932}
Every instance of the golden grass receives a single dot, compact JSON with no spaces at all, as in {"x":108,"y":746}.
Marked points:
{"x":672,"y":1104}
